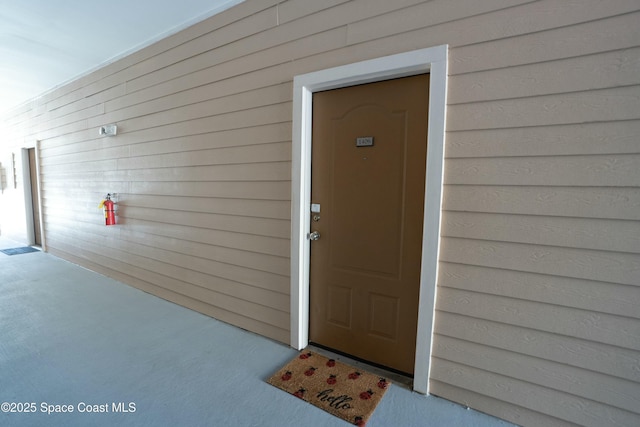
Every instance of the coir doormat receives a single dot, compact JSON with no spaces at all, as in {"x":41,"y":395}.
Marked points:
{"x":18,"y":251}
{"x":339,"y":389}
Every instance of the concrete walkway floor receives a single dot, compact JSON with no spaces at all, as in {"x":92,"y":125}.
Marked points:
{"x":72,"y":339}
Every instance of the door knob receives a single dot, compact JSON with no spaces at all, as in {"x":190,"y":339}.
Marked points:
{"x":314,"y":235}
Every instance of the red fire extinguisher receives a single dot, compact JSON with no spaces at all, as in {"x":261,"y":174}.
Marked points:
{"x":109,"y":210}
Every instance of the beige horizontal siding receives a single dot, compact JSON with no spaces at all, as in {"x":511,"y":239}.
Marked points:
{"x":585,"y":233}
{"x":260,"y":226}
{"x":268,"y":209}
{"x":486,"y":20}
{"x":564,"y":406}
{"x":617,"y":392}
{"x":579,"y":353}
{"x":615,"y":30}
{"x":216,"y":251}
{"x":129,"y":273}
{"x":597,"y":71}
{"x":243,"y":241}
{"x":589,"y":106}
{"x":499,"y":408}
{"x":250,"y":208}
{"x":540,"y":222}
{"x":621,"y":268}
{"x":590,"y":295}
{"x":154,"y":263}
{"x":584,"y":324}
{"x":291,"y":10}
{"x":579,"y":202}
{"x":226,"y":180}
{"x":574,"y":171}
{"x":537,"y":318}
{"x":617,"y":137}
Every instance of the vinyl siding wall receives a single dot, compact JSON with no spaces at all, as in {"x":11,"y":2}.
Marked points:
{"x":537,"y":313}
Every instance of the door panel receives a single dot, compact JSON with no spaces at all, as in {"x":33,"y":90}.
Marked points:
{"x":365,"y":268}
{"x":361,"y":177}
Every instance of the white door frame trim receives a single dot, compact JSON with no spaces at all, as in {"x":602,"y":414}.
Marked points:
{"x":431,"y":60}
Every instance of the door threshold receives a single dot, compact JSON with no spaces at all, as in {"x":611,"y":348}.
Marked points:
{"x":398,"y":378}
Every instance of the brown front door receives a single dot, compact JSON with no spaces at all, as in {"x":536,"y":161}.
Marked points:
{"x":369,"y":148}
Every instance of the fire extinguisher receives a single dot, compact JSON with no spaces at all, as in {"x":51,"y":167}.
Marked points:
{"x":109,"y":210}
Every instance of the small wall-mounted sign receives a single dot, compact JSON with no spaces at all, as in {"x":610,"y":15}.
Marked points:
{"x":108,"y":130}
{"x":364,"y":141}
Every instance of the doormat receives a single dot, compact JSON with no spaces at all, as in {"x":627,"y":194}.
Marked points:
{"x":340,"y":389}
{"x":18,"y":251}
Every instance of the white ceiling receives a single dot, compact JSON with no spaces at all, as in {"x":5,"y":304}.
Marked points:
{"x":45,"y":43}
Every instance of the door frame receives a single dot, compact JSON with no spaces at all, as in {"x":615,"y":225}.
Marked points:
{"x":28,"y":195}
{"x":433,"y":61}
